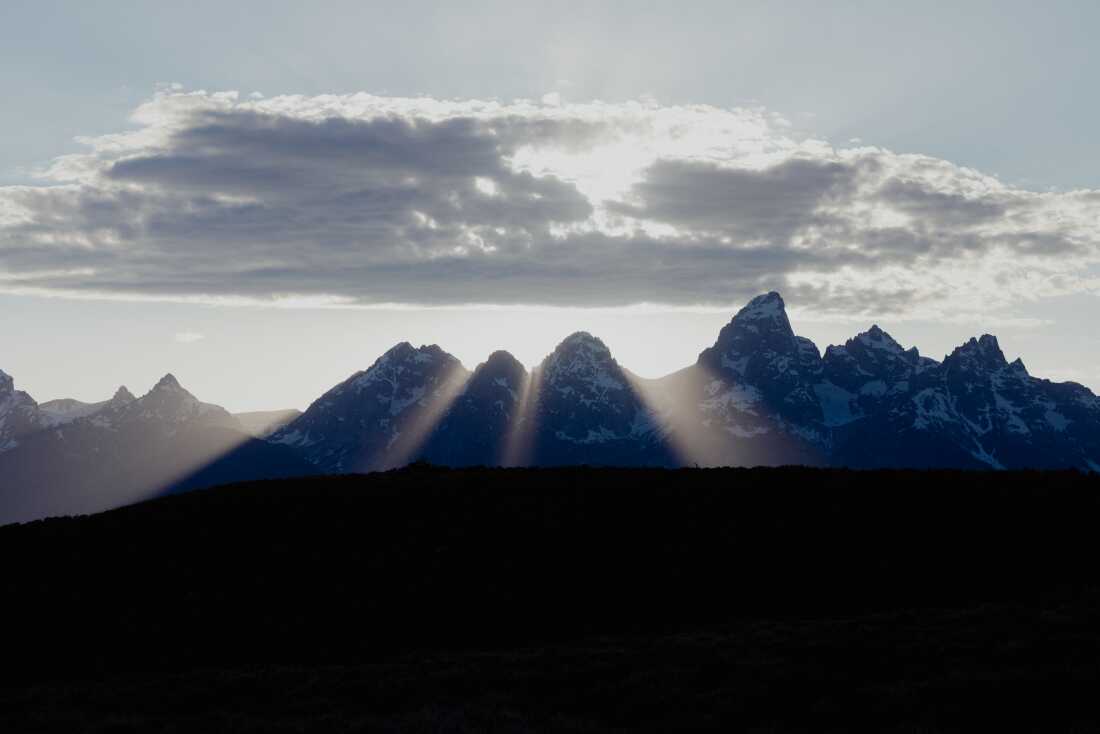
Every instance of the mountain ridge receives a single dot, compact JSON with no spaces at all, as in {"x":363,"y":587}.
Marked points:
{"x":759,"y":395}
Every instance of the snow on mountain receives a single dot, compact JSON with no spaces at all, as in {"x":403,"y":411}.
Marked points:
{"x":759,"y":395}
{"x":975,"y":409}
{"x":379,"y":417}
{"x":83,"y":457}
{"x":19,"y":414}
{"x":478,"y":426}
{"x":66,"y":410}
{"x":863,"y":372}
{"x":751,"y":395}
{"x":587,"y":409}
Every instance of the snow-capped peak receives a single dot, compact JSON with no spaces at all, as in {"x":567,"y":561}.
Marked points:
{"x":765,"y":313}
{"x":579,"y":352}
{"x":397,"y":360}
{"x":586,"y":358}
{"x":876,"y":338}
{"x":583,"y":340}
{"x":766,"y":306}
{"x":761,"y":329}
{"x":984,"y":350}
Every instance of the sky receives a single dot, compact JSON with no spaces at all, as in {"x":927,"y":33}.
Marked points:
{"x":261,"y":198}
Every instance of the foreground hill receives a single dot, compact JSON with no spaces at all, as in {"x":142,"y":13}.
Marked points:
{"x":568,"y":599}
{"x":350,"y":565}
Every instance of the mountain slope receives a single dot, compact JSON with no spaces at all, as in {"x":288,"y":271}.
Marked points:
{"x":974,"y":410}
{"x":750,"y":399}
{"x":480,"y":426}
{"x":19,"y":414}
{"x":131,"y":449}
{"x":380,"y":417}
{"x":263,"y":423}
{"x":586,"y":409}
{"x":760,"y":395}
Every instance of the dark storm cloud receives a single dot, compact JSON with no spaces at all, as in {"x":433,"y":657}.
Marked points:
{"x":431,"y":208}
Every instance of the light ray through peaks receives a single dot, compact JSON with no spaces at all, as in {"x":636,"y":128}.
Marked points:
{"x":409,"y":442}
{"x":194,"y":449}
{"x":657,"y":400}
{"x":212,"y":445}
{"x":519,"y":443}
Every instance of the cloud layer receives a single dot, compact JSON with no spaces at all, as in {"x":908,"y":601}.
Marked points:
{"x":366,"y":200}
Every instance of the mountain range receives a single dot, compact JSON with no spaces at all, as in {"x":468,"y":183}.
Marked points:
{"x":760,"y":395}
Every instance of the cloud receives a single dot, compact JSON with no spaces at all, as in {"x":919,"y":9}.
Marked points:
{"x":189,"y":337}
{"x":366,"y":200}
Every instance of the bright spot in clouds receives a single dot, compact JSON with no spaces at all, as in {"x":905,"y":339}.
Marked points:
{"x":370,"y":201}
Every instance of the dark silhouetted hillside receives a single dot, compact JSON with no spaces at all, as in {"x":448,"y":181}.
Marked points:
{"x":579,"y":598}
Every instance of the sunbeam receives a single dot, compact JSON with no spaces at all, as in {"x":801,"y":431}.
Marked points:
{"x":519,"y":443}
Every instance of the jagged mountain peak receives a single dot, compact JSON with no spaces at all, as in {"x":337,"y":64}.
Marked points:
{"x":168,"y":382}
{"x":984,"y":351}
{"x":872,"y":350}
{"x":170,"y":402}
{"x":583,"y":340}
{"x":406,"y":352}
{"x":579,"y":353}
{"x":761,"y":324}
{"x":758,"y":335}
{"x":768,"y":308}
{"x":123,"y":395}
{"x":7,"y":383}
{"x":378,"y":417}
{"x":500,"y":371}
{"x":501,"y":364}
{"x":877,"y":338}
{"x":766,"y":305}
{"x":405,"y":355}
{"x":502,"y":358}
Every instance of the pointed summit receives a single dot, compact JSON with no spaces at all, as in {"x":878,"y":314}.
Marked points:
{"x":876,"y":338}
{"x":122,"y":396}
{"x":405,"y":360}
{"x":405,"y":353}
{"x":983,"y":352}
{"x":7,"y":384}
{"x":582,"y":340}
{"x":877,"y":335}
{"x":767,"y":305}
{"x":764,"y":314}
{"x":501,"y":362}
{"x":760,"y":327}
{"x":989,"y":345}
{"x":168,"y":382}
{"x":501,"y":371}
{"x":580,"y":354}
{"x":400,"y":350}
